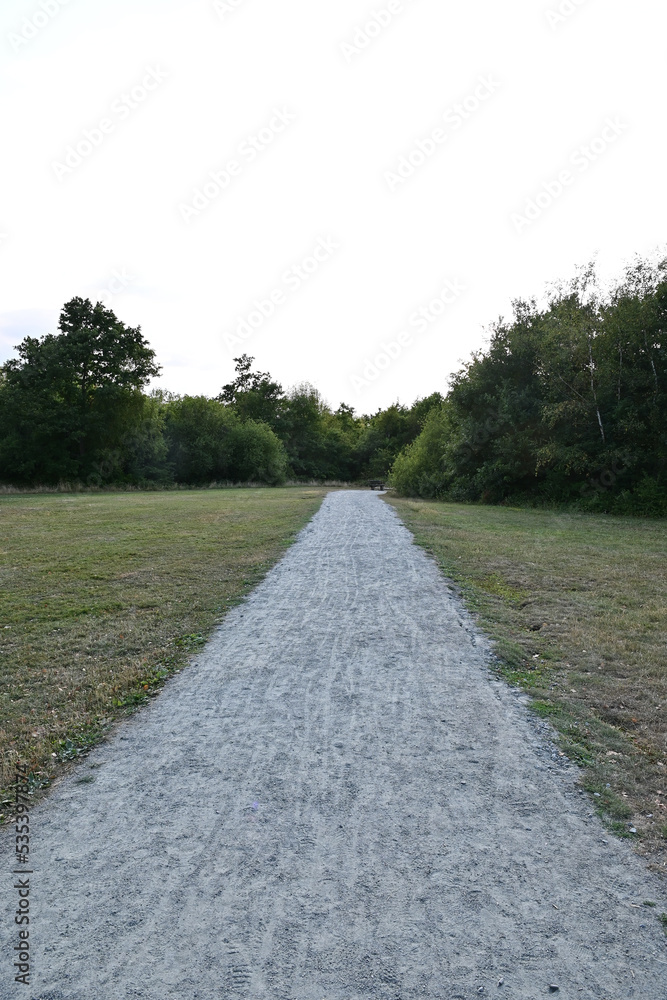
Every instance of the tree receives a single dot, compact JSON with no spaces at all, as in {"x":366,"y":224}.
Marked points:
{"x":389,"y":431}
{"x":318,"y":443}
{"x":69,"y":399}
{"x":253,"y":395}
{"x":567,"y":404}
{"x":423,"y":468}
{"x":303,"y":429}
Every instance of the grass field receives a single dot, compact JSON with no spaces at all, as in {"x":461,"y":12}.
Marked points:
{"x":577,"y":605}
{"x":103,"y":596}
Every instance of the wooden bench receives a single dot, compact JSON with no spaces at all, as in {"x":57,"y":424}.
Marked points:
{"x":376,"y":484}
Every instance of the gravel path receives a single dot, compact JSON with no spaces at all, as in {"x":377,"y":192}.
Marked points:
{"x":336,"y":801}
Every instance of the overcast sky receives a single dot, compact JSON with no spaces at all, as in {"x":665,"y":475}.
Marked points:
{"x":341,"y":189}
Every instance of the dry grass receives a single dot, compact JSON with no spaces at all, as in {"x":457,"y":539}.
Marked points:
{"x":102,"y":596}
{"x":578,"y":607}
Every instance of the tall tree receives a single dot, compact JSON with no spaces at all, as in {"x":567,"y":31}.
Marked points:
{"x":568,"y":403}
{"x":253,"y":395}
{"x":69,"y":399}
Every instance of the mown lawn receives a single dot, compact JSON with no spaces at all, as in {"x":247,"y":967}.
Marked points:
{"x":577,"y":605}
{"x":103,"y":596}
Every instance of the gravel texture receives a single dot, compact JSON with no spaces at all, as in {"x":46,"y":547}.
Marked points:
{"x":336,"y":801}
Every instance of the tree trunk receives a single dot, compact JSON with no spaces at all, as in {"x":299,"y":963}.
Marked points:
{"x":650,"y":357}
{"x":595,"y":396}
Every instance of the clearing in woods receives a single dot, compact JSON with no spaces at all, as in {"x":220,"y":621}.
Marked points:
{"x":337,"y":800}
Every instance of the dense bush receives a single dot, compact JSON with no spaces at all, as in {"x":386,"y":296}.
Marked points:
{"x":420,"y":468}
{"x":567,"y":406}
{"x":207,"y":442}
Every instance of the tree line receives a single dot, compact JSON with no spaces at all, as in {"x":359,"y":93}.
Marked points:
{"x":566,"y":406}
{"x":74,"y":409}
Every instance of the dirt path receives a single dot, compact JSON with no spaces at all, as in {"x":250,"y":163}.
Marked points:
{"x":336,"y":802}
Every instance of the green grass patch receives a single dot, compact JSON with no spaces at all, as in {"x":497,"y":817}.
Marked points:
{"x":104,"y":596}
{"x":577,"y":607}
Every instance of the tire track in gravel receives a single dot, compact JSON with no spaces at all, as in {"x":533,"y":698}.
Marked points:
{"x":336,"y":801}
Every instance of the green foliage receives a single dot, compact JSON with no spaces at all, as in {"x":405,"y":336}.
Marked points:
{"x":320,"y":444}
{"x":70,"y":400}
{"x":257,"y":454}
{"x":72,"y":410}
{"x":567,"y":406}
{"x":388,"y":432}
{"x":304,"y":430}
{"x":253,"y":395}
{"x":145,"y":449}
{"x":420,"y":469}
{"x":208,"y":442}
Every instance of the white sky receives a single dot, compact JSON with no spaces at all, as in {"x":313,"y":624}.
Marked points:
{"x":323,"y":178}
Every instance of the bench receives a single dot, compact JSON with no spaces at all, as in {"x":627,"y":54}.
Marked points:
{"x":376,"y":484}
